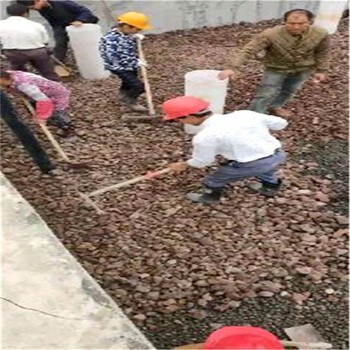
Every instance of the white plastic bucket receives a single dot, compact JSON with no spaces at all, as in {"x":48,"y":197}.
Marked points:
{"x":206,"y":85}
{"x":329,"y":14}
{"x":85,"y":41}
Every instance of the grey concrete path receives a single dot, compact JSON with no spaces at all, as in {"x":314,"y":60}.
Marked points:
{"x":48,"y":300}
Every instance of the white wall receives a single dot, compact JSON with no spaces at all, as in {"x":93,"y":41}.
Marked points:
{"x":167,"y":15}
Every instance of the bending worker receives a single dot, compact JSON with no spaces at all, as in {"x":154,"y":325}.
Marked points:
{"x":293,"y":51}
{"x":24,"y":41}
{"x":60,"y":14}
{"x":241,"y":137}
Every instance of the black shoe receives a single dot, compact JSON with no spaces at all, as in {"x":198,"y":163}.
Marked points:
{"x":265,"y":188}
{"x":207,"y":196}
{"x":124,"y":98}
{"x":68,"y":133}
{"x":136,"y":107}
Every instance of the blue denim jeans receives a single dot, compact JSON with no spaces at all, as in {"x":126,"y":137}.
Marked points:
{"x":276,"y":89}
{"x":264,"y":169}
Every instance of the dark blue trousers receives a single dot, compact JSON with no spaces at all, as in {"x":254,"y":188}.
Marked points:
{"x":131,"y":86}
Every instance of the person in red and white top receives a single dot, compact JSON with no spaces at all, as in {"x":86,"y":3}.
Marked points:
{"x":242,"y":138}
{"x":24,"y":41}
{"x":51,"y":98}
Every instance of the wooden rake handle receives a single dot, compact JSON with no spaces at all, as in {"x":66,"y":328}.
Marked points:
{"x":149,"y":98}
{"x":54,"y":142}
{"x":48,"y":133}
{"x":148,"y":176}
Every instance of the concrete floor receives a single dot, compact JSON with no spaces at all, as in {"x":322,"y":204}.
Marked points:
{"x":48,"y":300}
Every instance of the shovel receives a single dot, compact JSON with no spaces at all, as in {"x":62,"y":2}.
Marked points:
{"x":306,"y":334}
{"x":53,"y":141}
{"x":151,"y":111}
{"x":61,"y":69}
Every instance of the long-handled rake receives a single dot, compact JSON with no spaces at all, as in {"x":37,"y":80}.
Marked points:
{"x":53,"y":141}
{"x":151,"y":111}
{"x":90,"y":202}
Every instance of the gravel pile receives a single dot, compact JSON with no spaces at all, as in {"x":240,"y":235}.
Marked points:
{"x":156,"y":253}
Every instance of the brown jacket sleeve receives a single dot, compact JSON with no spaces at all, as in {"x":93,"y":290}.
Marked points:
{"x":322,"y":55}
{"x":258,"y":43}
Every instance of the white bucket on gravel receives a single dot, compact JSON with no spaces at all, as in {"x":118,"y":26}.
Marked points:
{"x":205,"y":84}
{"x":84,"y":41}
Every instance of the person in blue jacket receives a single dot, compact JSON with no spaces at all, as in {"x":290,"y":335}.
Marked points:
{"x":60,"y":14}
{"x":118,"y":50}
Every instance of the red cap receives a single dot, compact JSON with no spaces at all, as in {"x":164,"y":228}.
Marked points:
{"x":183,"y":106}
{"x":242,"y":338}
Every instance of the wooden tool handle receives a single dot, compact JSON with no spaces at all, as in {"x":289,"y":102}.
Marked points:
{"x":61,"y":63}
{"x":54,"y":142}
{"x":47,"y":132}
{"x":130,"y":182}
{"x":149,"y":98}
{"x":91,"y":203}
{"x":304,"y":345}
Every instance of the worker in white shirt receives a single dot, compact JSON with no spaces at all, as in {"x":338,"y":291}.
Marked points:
{"x":241,"y":137}
{"x":24,"y":41}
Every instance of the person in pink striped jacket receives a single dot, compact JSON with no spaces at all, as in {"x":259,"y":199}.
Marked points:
{"x":50,"y":97}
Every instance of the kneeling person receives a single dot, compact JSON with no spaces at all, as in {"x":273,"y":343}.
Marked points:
{"x":241,"y":137}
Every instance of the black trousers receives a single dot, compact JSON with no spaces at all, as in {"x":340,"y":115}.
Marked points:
{"x":61,"y":39}
{"x":24,"y":134}
{"x":131,"y":86}
{"x":61,"y":42}
{"x":39,"y":58}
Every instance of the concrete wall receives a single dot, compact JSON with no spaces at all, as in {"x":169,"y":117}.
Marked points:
{"x":172,"y":15}
{"x":167,"y":15}
{"x":48,"y":301}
